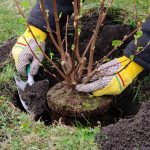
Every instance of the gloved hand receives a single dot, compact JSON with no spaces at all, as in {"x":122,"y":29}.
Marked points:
{"x":117,"y":75}
{"x":22,"y":53}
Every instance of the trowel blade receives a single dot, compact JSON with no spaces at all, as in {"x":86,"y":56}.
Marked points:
{"x":20,"y":87}
{"x":20,"y":84}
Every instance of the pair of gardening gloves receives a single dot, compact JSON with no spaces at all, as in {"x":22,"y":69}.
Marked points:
{"x":113,"y":78}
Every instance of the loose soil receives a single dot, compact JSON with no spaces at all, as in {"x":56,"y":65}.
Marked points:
{"x":128,"y":134}
{"x":5,"y":49}
{"x":110,"y":31}
{"x":35,"y":96}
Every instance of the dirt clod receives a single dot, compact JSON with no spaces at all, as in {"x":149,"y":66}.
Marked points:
{"x":35,"y":97}
{"x":128,"y":134}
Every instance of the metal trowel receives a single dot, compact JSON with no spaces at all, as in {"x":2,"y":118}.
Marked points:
{"x":21,"y":85}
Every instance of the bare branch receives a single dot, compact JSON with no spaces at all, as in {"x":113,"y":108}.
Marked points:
{"x":101,"y":18}
{"x":67,"y":64}
{"x":99,"y":24}
{"x":48,"y":25}
{"x":81,"y":68}
{"x":76,"y":26}
{"x":56,"y":18}
{"x":115,"y":48}
{"x":66,"y":35}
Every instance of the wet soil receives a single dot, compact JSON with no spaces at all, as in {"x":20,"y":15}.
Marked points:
{"x":128,"y":134}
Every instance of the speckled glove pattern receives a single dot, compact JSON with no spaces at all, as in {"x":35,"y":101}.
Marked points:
{"x":114,"y":77}
{"x":23,"y":55}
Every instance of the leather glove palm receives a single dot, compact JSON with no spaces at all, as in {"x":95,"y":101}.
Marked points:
{"x":116,"y":76}
{"x":22,"y":54}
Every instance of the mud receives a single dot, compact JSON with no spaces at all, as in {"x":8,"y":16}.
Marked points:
{"x":128,"y":134}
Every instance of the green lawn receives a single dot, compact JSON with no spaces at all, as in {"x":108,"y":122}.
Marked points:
{"x":17,"y":130}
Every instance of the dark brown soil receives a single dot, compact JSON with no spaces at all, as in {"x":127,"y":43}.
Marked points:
{"x":35,"y":97}
{"x":110,"y":31}
{"x":129,"y":134}
{"x":5,"y":49}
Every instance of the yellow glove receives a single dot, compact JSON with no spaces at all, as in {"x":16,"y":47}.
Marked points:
{"x":22,"y":53}
{"x":116,"y":75}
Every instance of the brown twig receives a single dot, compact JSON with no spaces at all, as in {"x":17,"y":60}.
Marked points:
{"x":115,"y":48}
{"x":48,"y":25}
{"x":89,"y":77}
{"x":137,"y":53}
{"x":99,"y":24}
{"x":106,"y":56}
{"x":81,"y":68}
{"x":88,"y":46}
{"x":76,"y":27}
{"x":92,"y":42}
{"x":56,"y":18}
{"x":66,"y":35}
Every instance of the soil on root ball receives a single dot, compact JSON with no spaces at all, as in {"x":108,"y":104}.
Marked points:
{"x":64,"y":103}
{"x":131,"y":133}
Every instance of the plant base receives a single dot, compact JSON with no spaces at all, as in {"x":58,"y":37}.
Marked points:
{"x":64,"y":103}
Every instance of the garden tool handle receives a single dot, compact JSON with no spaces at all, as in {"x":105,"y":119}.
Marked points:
{"x":30,"y":80}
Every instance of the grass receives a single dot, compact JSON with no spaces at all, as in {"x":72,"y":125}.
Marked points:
{"x":10,"y":20}
{"x":20,"y":132}
{"x":142,"y":5}
{"x":17,"y":130}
